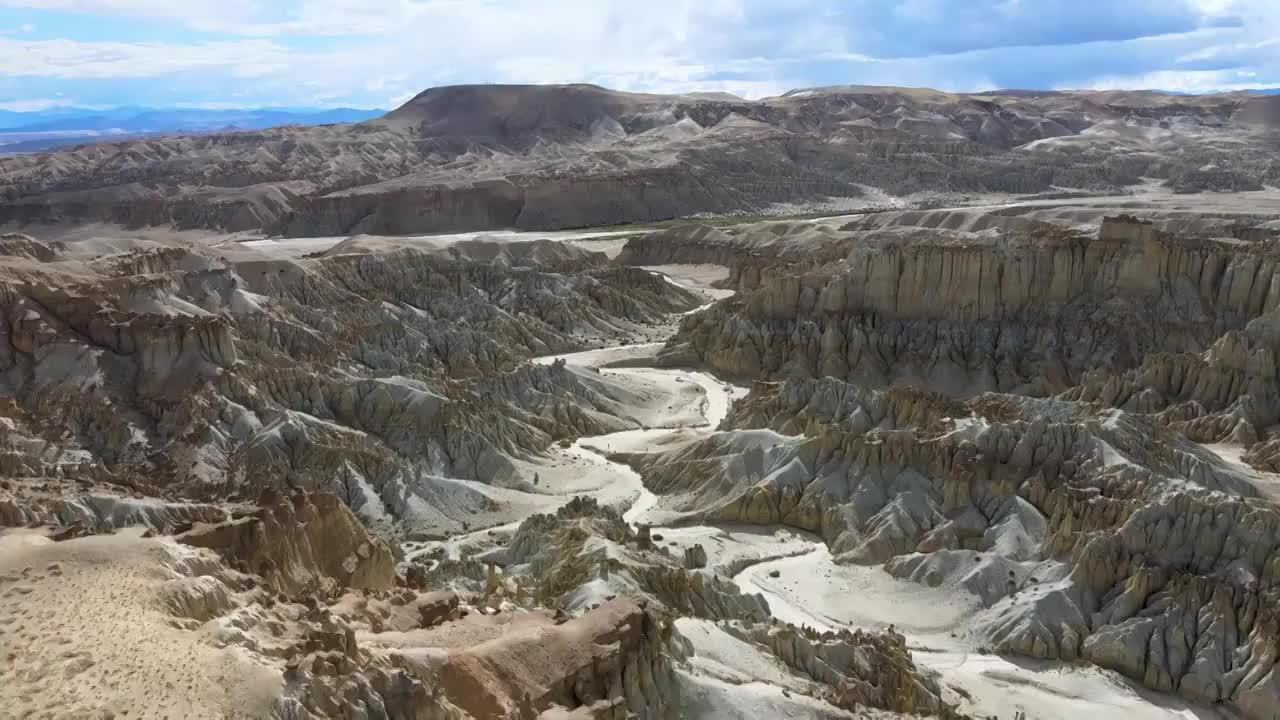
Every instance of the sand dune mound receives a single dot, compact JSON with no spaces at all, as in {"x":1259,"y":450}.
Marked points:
{"x":67,"y":608}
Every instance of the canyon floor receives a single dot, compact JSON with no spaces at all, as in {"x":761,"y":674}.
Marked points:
{"x":1011,"y":460}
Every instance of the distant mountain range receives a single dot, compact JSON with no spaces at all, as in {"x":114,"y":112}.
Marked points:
{"x":45,"y":129}
{"x":148,"y":120}
{"x":549,"y":157}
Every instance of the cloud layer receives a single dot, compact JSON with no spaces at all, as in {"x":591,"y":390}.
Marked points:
{"x":378,"y":52}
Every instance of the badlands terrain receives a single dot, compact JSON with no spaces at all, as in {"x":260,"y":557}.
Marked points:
{"x":485,"y":157}
{"x":1003,"y":440}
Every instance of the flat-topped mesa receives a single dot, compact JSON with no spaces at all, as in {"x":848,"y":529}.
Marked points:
{"x":1010,"y":312}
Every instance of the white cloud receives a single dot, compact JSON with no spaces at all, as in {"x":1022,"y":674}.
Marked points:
{"x":1188,"y":81}
{"x":196,"y":13}
{"x":67,"y":59}
{"x":383,"y":51}
{"x":36,"y":104}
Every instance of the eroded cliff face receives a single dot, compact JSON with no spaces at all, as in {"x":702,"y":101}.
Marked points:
{"x":183,"y":374}
{"x":1029,"y":311}
{"x":295,"y":611}
{"x":1017,"y":411}
{"x":585,"y":558}
{"x":300,"y":544}
{"x":1048,"y":419}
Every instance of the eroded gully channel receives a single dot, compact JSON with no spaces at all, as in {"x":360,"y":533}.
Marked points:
{"x":803,"y":585}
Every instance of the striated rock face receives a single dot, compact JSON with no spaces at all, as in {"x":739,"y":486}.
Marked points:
{"x":1029,"y":310}
{"x":301,"y":544}
{"x":1069,"y":428}
{"x":873,"y":493}
{"x":803,"y":407}
{"x":547,"y":157}
{"x":1177,"y":592}
{"x":17,"y":245}
{"x":316,"y":630}
{"x":57,"y":504}
{"x":695,"y":557}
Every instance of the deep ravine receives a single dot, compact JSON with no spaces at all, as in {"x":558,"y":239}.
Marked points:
{"x":811,"y":589}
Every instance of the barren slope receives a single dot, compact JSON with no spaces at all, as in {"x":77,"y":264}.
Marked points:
{"x":547,"y":157}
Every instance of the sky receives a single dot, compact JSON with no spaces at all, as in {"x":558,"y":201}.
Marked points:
{"x":379,"y":53}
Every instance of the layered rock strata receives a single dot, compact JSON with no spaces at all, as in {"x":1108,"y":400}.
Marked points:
{"x":1029,"y":312}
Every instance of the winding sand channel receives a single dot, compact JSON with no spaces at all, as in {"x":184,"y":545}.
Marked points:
{"x":811,"y":589}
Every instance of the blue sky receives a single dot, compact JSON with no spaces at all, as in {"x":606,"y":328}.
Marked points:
{"x":378,"y":53}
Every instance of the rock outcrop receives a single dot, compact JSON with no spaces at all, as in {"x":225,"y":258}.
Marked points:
{"x":862,"y":669}
{"x":1068,"y":424}
{"x":616,"y":660}
{"x":1015,"y":409}
{"x":300,"y":544}
{"x":584,"y":550}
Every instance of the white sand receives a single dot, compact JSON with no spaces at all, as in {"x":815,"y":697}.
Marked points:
{"x":813,"y":591}
{"x":625,"y":488}
{"x":286,"y":248}
{"x":696,"y":277}
{"x":1267,"y":483}
{"x":604,"y":356}
{"x":736,"y":546}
